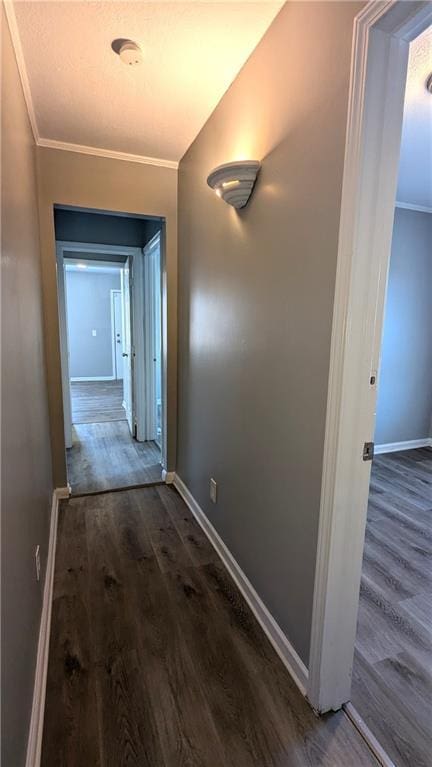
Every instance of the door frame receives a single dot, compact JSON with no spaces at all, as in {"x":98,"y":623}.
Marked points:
{"x":382,"y":33}
{"x":149,"y":305}
{"x":64,"y":346}
{"x":113,"y":291}
{"x":137,"y":325}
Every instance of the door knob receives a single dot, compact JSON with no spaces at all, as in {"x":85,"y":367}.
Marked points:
{"x":125,"y":355}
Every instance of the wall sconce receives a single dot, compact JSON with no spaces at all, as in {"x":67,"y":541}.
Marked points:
{"x":234,"y":181}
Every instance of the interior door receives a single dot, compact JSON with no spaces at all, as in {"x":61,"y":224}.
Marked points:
{"x":118,"y":333}
{"x":127,"y":348}
{"x":157,"y":347}
{"x":153,"y":334}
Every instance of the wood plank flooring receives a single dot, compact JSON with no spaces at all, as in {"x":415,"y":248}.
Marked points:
{"x":97,"y":401}
{"x":104,"y":456}
{"x":156,"y":660}
{"x":392,"y":677}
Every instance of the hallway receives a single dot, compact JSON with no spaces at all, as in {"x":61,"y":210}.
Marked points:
{"x":104,"y":456}
{"x":96,"y":401}
{"x":156,"y":660}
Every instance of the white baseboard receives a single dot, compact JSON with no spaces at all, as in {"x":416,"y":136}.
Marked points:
{"x":394,"y":447}
{"x":75,"y":379}
{"x":168,"y":476}
{"x":283,"y":647}
{"x":34,"y":744}
{"x":410,"y":206}
{"x":368,"y":736}
{"x":63,"y":492}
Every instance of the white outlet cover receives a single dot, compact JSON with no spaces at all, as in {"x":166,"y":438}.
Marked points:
{"x":93,"y":332}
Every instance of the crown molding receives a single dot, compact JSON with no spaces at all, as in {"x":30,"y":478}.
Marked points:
{"x":109,"y":153}
{"x":19,"y":55}
{"x":63,"y":145}
{"x":411,"y":206}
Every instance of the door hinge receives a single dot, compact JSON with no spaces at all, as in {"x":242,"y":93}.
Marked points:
{"x":368,"y":451}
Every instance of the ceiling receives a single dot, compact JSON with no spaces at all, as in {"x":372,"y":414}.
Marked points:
{"x":83,"y":94}
{"x":415,"y":169}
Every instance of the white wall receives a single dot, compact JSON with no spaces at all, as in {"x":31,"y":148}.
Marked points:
{"x":404,"y":407}
{"x":88,"y":300}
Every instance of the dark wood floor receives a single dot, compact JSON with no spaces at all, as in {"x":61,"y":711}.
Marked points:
{"x":392,"y":679}
{"x":155,"y":659}
{"x":97,"y":401}
{"x":104,"y":456}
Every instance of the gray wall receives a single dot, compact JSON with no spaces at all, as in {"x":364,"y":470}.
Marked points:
{"x":256,"y":293}
{"x":89,"y":308}
{"x":103,"y":229}
{"x":404,"y":407}
{"x":25,"y":443}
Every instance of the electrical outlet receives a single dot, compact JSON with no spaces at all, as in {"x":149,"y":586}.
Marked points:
{"x":37,"y":563}
{"x":94,"y":333}
{"x":213,"y":490}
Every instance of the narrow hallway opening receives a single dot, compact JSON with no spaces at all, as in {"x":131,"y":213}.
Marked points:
{"x":110,"y":309}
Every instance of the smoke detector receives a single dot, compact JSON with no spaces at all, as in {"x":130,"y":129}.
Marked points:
{"x":129,"y":52}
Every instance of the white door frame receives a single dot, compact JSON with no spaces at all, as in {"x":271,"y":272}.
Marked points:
{"x":382,"y":32}
{"x":149,"y":310}
{"x":64,"y":346}
{"x":136,"y":326}
{"x":113,"y":293}
{"x":130,"y":370}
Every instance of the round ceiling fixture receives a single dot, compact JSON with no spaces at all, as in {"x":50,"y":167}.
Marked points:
{"x":429,"y":83}
{"x":129,"y":52}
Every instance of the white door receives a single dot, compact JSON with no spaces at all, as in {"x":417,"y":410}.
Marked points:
{"x":117,"y":330}
{"x":127,"y":350}
{"x":157,"y":346}
{"x":153,"y":335}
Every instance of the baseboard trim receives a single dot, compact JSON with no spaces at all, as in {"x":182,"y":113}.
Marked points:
{"x":368,"y":736}
{"x":168,"y":476}
{"x":63,"y":492}
{"x":394,"y":447}
{"x":412,"y":206}
{"x":34,"y":744}
{"x":283,"y":647}
{"x":77,"y":379}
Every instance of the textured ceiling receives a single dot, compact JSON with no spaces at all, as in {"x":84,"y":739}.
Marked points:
{"x":82,"y":93}
{"x":415,"y":169}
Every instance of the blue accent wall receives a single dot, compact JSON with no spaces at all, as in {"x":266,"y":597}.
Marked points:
{"x":404,"y":407}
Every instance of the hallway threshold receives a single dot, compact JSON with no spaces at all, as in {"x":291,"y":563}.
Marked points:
{"x":105,"y":457}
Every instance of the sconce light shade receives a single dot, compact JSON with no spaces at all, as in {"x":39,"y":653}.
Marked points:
{"x":234,"y":181}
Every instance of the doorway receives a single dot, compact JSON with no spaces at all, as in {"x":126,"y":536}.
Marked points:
{"x":95,"y":377}
{"x":382,"y":36}
{"x":392,"y":670}
{"x":109,"y":381}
